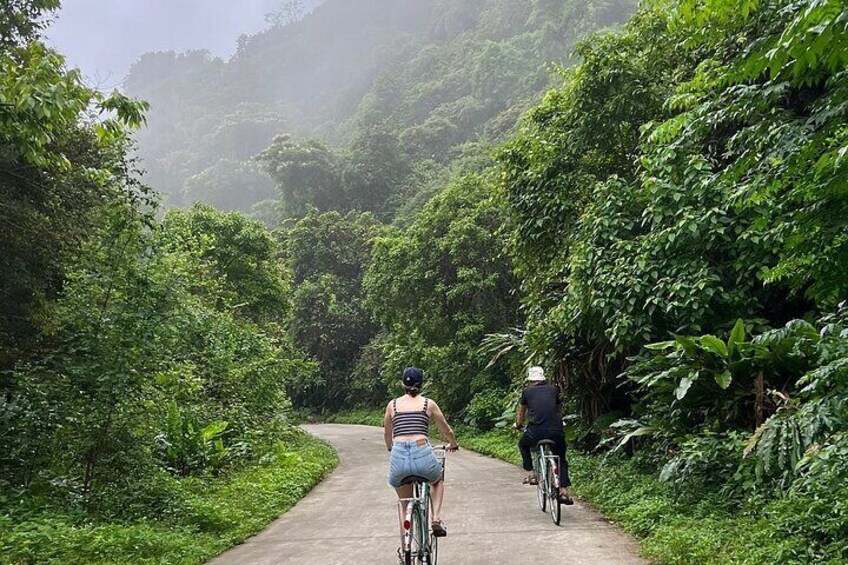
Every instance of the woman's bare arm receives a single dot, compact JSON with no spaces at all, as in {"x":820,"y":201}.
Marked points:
{"x":387,"y":427}
{"x":439,"y":418}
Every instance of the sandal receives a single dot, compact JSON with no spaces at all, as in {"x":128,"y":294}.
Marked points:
{"x":439,"y":530}
{"x":530,"y":481}
{"x":565,"y":499}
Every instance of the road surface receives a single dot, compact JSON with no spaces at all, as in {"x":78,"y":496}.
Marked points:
{"x":491,"y":518}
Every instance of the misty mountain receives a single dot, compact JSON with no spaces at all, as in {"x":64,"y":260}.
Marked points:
{"x":131,"y":27}
{"x":436,"y":73}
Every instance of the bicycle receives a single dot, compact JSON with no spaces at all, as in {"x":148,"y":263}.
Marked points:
{"x":546,"y":469}
{"x":418,"y":545}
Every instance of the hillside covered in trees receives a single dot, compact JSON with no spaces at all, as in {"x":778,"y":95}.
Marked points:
{"x":651,"y":202}
{"x":431,"y":75}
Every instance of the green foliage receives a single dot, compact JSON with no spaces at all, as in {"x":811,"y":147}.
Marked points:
{"x":185,"y":448}
{"x":485,"y":409}
{"x":566,"y":225}
{"x":806,"y":434}
{"x":39,"y":100}
{"x":326,"y":254}
{"x":22,"y":20}
{"x":55,"y":172}
{"x":229,"y":185}
{"x":239,"y":254}
{"x":306,"y":174}
{"x":438,"y":288}
{"x":150,"y":352}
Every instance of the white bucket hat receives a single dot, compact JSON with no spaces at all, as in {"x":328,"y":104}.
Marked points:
{"x":535,"y":374}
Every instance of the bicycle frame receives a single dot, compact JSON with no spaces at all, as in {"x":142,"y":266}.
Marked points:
{"x":416,"y":540}
{"x":546,"y":455}
{"x":415,"y":534}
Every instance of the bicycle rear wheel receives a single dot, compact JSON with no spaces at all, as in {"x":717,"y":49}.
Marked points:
{"x":540,"y":491}
{"x":539,"y":470}
{"x":554,"y":506}
{"x":419,"y":534}
{"x":434,"y":550}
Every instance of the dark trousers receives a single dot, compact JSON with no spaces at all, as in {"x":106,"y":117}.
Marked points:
{"x":528,"y":442}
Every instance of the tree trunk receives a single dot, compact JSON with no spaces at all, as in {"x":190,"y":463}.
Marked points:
{"x":759,"y":394}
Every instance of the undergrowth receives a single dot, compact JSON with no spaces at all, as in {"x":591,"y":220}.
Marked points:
{"x":206,"y":516}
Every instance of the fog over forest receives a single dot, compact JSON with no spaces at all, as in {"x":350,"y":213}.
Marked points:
{"x":83,"y":29}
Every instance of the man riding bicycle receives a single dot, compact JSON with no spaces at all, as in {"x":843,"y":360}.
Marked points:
{"x":541,"y":402}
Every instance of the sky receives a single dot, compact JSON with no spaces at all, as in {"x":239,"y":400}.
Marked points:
{"x":104,"y":37}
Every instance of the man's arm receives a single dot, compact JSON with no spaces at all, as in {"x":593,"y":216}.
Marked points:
{"x":447,"y":432}
{"x":522,"y":411}
{"x":387,"y":427}
{"x":519,"y":418}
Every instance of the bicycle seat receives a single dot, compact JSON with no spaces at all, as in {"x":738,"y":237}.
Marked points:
{"x":411,"y":479}
{"x":545,"y":442}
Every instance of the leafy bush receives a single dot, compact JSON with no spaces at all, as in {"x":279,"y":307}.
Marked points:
{"x":485,"y":409}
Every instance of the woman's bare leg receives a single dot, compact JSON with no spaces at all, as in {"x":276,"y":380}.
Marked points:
{"x":404,"y":491}
{"x":437,"y":496}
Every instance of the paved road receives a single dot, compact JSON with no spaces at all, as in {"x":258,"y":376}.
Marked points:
{"x":491,"y":517}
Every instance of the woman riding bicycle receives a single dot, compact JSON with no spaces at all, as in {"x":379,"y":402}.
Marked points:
{"x":406,"y":430}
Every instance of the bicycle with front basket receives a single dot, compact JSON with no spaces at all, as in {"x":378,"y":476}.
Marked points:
{"x":418,"y":546}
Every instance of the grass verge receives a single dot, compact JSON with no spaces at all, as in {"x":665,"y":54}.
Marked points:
{"x":209,"y":516}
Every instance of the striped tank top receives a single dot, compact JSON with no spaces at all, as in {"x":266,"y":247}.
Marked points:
{"x":410,"y":423}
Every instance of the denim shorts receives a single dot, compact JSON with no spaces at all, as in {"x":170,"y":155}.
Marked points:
{"x":408,"y":458}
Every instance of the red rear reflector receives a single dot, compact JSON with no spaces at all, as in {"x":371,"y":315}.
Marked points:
{"x":407,"y":524}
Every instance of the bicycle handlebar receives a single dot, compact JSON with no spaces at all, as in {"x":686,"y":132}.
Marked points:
{"x":446,"y":447}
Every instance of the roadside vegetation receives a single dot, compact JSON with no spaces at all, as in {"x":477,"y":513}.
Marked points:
{"x":184,"y":520}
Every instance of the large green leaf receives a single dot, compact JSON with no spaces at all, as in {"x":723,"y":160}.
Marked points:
{"x":661,"y":345}
{"x":737,"y":335}
{"x":713,"y":344}
{"x":724,"y":379}
{"x":683,"y":387}
{"x":214,"y":429}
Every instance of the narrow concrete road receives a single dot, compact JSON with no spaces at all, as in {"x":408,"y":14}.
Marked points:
{"x":351,"y":518}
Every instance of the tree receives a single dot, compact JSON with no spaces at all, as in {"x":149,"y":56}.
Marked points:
{"x":239,"y":254}
{"x":306,"y":174}
{"x":327,"y":254}
{"x":55,"y":171}
{"x":23,"y":20}
{"x":291,"y":11}
{"x":373,"y":171}
{"x":439,"y":287}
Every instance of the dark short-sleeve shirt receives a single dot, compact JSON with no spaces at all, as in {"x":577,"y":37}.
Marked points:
{"x":542,"y":402}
